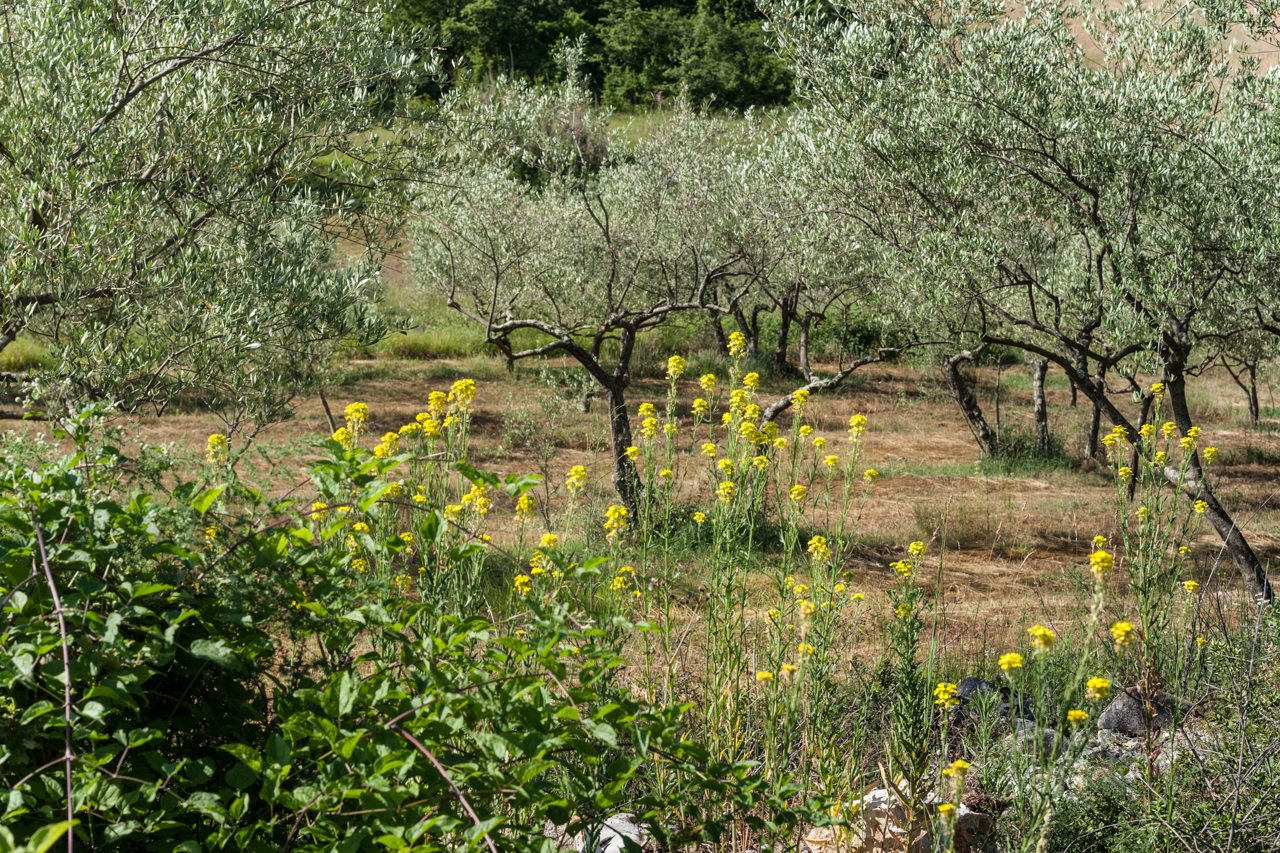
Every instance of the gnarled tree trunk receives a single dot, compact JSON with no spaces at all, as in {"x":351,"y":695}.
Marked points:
{"x":986,"y":437}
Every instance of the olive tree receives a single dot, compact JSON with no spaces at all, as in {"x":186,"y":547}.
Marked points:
{"x":172,"y":178}
{"x":557,"y":238}
{"x":1098,"y":200}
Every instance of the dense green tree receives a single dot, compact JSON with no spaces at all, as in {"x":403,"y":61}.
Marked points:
{"x":638,"y":51}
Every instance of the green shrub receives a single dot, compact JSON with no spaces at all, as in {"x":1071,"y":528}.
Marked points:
{"x":211,"y":673}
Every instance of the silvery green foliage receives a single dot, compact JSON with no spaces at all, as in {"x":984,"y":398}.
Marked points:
{"x":555,"y":235}
{"x":1079,"y":165}
{"x":172,"y":175}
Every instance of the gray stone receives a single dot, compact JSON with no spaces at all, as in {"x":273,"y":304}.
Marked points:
{"x":1126,"y":713}
{"x":973,"y":687}
{"x":611,"y":837}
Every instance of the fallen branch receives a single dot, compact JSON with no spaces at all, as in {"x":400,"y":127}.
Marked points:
{"x":884,"y":354}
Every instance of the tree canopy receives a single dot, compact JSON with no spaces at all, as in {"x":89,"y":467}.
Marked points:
{"x":172,"y":180}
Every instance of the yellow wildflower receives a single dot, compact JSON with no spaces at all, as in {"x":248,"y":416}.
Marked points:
{"x":1010,"y":661}
{"x":1157,"y":390}
{"x":806,"y":431}
{"x":870,"y":475}
{"x":1210,"y":453}
{"x":649,"y":427}
{"x":945,"y":695}
{"x":675,"y":367}
{"x":216,"y":449}
{"x":577,"y":479}
{"x":709,"y":450}
{"x":708,"y":382}
{"x":1077,"y":716}
{"x":1123,"y":632}
{"x":831,"y":460}
{"x":818,"y":548}
{"x":1042,"y":638}
{"x":1097,"y":688}
{"x":798,"y":492}
{"x":805,"y":649}
{"x":700,"y":517}
{"x":726,"y":491}
{"x":764,"y":675}
{"x":1190,"y":586}
{"x":1200,"y":507}
{"x":800,"y":399}
{"x":737,"y":344}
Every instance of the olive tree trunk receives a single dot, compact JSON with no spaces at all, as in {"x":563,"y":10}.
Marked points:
{"x":986,"y":437}
{"x":1041,"y":409}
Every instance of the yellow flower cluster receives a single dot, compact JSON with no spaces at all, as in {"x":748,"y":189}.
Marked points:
{"x":523,"y":585}
{"x":944,"y":695}
{"x":615,"y":521}
{"x":675,"y":367}
{"x":1042,"y":638}
{"x":633,"y":453}
{"x":462,"y":395}
{"x":818,"y":548}
{"x":1010,"y":661}
{"x":737,"y":344}
{"x":388,"y":446}
{"x":477,"y":499}
{"x":701,"y":408}
{"x":1123,"y":633}
{"x":577,"y":479}
{"x":1190,"y":586}
{"x":1200,"y":507}
{"x":870,"y":475}
{"x":799,"y":492}
{"x":708,"y":382}
{"x":1097,"y":688}
{"x":524,"y":508}
{"x":216,"y":449}
{"x":344,"y":437}
{"x":1077,"y":716}
{"x":800,"y":399}
{"x":857,"y":427}
{"x":649,"y":427}
{"x":356,"y":414}
{"x":726,"y":490}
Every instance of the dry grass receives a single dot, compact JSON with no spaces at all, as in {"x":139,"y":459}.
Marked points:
{"x":1015,"y":543}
